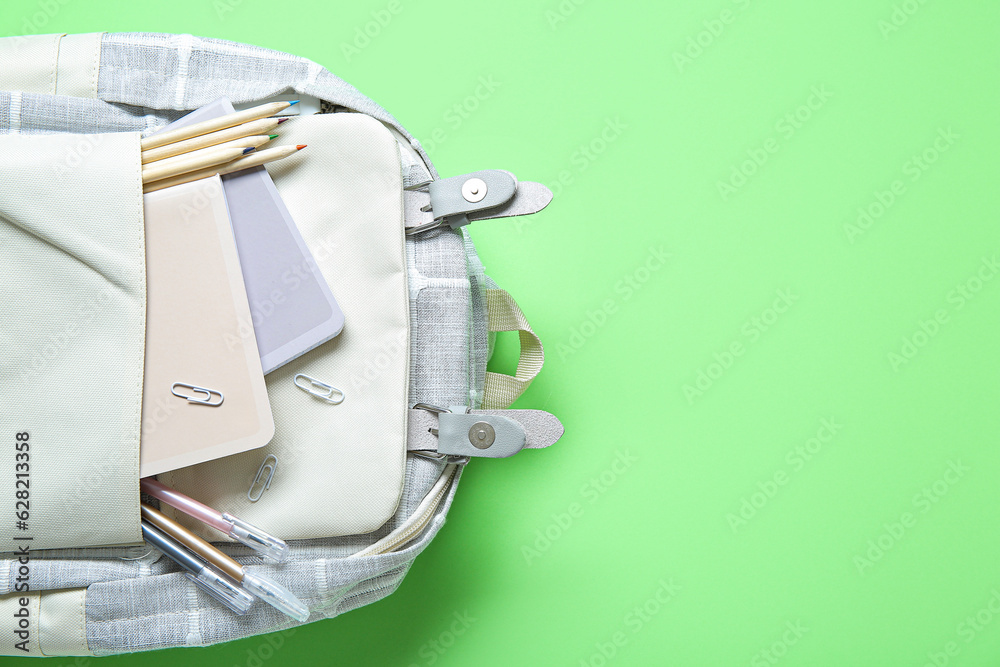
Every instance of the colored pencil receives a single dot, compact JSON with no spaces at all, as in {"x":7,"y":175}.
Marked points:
{"x":263,"y":126}
{"x":210,"y":157}
{"x":214,"y":125}
{"x":255,"y":160}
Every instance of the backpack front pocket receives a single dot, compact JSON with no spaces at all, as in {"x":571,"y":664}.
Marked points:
{"x":72,"y":326}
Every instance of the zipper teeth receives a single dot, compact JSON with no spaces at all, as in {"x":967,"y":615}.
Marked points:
{"x":406,"y":533}
{"x":422,"y":522}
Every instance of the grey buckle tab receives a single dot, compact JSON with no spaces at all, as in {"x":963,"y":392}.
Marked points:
{"x":471,"y":193}
{"x":479,"y":435}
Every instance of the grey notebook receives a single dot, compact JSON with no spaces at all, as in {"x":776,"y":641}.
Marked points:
{"x":291,"y":306}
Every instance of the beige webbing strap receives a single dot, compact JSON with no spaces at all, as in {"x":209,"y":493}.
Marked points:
{"x":502,"y":390}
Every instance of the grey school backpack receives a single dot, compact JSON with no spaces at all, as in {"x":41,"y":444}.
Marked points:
{"x":419,"y":396}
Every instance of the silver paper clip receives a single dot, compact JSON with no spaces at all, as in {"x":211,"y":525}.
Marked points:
{"x":209,"y":393}
{"x":270,"y":467}
{"x":320,"y":390}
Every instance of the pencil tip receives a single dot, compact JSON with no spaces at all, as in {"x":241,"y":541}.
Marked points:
{"x":300,"y":146}
{"x":249,"y":150}
{"x":291,"y":104}
{"x":272,"y":136}
{"x":282,"y":120}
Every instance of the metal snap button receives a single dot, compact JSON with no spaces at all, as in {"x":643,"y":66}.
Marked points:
{"x":482,"y":435}
{"x":474,"y":190}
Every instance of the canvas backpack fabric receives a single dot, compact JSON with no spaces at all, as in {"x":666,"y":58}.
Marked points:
{"x":108,"y":600}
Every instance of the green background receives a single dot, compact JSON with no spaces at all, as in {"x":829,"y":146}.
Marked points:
{"x":873,"y":542}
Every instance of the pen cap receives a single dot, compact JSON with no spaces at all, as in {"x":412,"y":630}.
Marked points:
{"x":276,"y":595}
{"x":222,"y":590}
{"x":268,"y":546}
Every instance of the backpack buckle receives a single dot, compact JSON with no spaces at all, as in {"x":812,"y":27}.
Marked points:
{"x":433,"y":409}
{"x":454,"y":199}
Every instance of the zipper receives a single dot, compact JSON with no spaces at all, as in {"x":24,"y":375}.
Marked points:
{"x":416,"y":523}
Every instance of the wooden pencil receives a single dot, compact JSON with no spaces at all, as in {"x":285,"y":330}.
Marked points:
{"x":254,"y":160}
{"x":182,"y":164}
{"x":214,"y":125}
{"x":255,"y":141}
{"x":253,"y":128}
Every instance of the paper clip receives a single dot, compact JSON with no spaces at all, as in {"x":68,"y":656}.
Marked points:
{"x":209,"y":393}
{"x":330,"y":394}
{"x":270,"y":467}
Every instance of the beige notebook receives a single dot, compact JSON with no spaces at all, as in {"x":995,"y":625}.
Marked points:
{"x":203,"y":391}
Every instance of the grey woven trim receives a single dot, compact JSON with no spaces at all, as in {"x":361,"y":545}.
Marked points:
{"x":50,"y":114}
{"x":187,"y":75}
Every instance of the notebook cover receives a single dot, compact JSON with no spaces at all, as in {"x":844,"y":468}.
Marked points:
{"x":196,"y":334}
{"x":292,"y":308}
